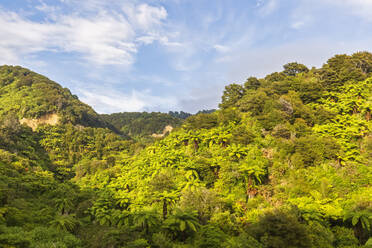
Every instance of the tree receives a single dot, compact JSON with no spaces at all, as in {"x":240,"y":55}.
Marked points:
{"x":292,"y":69}
{"x":342,"y":68}
{"x":242,"y":241}
{"x":254,"y":102}
{"x":361,"y":219}
{"x":167,"y":199}
{"x":231,"y":95}
{"x":252,"y":83}
{"x":252,"y":169}
{"x":181,"y":223}
{"x":64,"y":222}
{"x":278,"y":230}
{"x":146,"y":219}
{"x":64,"y":205}
{"x":210,"y":236}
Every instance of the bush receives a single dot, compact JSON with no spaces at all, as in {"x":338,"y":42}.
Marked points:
{"x":281,"y":230}
{"x":210,"y":237}
{"x":13,"y":237}
{"x":160,"y":240}
{"x":320,"y":236}
{"x":139,"y":243}
{"x":344,"y":237}
{"x":50,"y":237}
{"x":242,"y":241}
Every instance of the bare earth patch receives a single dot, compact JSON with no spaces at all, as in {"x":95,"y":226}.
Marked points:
{"x":167,"y":129}
{"x":50,"y":119}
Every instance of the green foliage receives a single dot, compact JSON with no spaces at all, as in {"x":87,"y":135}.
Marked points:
{"x":231,"y":95}
{"x":285,"y":162}
{"x":182,"y":224}
{"x":242,"y":241}
{"x":342,"y":68}
{"x":278,"y":229}
{"x":136,"y":124}
{"x":291,"y":69}
{"x":30,"y":95}
{"x":210,"y":236}
{"x":344,"y":237}
{"x":39,"y":237}
{"x":64,"y":222}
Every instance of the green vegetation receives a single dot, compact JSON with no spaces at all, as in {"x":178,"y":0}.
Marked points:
{"x":140,"y":125}
{"x":285,"y":162}
{"x":27,"y":94}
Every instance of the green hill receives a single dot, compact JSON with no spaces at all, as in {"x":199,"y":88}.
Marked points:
{"x":285,"y":162}
{"x":26,"y":94}
{"x":136,"y":124}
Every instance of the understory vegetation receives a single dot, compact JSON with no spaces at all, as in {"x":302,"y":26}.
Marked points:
{"x":284,"y":162}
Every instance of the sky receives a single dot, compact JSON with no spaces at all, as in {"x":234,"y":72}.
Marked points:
{"x":173,"y":55}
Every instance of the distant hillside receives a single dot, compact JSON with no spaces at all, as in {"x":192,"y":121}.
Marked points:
{"x":141,"y":123}
{"x":144,"y":124}
{"x":36,"y":99}
{"x":185,"y":115}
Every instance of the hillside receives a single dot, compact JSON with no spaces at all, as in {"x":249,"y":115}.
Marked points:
{"x":137,"y":124}
{"x":286,"y":159}
{"x":285,"y":162}
{"x":36,"y":99}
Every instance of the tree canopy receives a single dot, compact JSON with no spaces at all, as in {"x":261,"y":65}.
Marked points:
{"x":285,"y":162}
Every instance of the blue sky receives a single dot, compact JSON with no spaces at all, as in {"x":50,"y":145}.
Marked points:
{"x":161,"y":55}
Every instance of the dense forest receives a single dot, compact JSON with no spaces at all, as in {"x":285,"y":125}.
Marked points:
{"x":138,"y":126}
{"x":284,"y":162}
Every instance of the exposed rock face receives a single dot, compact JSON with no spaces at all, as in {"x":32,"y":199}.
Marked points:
{"x":167,"y":129}
{"x":50,"y":119}
{"x":287,"y":106}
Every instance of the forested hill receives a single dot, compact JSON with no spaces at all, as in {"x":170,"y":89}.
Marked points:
{"x":137,"y":124}
{"x":26,"y":94}
{"x":284,"y":163}
{"x":143,"y":124}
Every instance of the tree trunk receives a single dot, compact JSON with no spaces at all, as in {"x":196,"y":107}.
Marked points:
{"x":196,"y":145}
{"x":165,"y":209}
{"x":359,"y":233}
{"x":368,"y":115}
{"x":250,"y":192}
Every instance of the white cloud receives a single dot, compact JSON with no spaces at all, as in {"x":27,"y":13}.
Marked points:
{"x":106,"y":39}
{"x":107,"y":101}
{"x":298,"y":24}
{"x":103,"y":38}
{"x":145,"y":16}
{"x":20,"y":36}
{"x":162,"y":39}
{"x":115,"y":103}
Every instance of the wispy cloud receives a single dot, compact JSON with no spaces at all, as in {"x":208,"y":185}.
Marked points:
{"x":108,"y":101}
{"x":221,"y":48}
{"x":103,"y":38}
{"x":144,"y":16}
